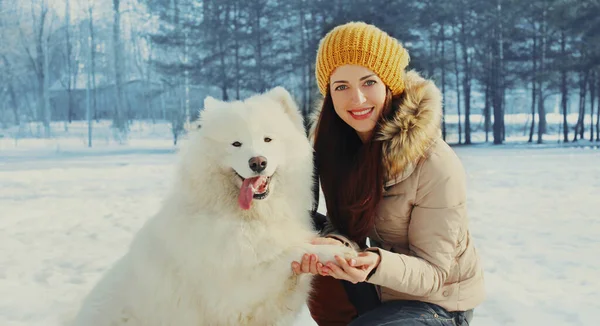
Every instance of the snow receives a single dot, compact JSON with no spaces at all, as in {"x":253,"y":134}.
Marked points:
{"x":535,"y":219}
{"x":67,"y":212}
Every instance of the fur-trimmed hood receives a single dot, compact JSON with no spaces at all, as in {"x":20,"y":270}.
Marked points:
{"x":411,"y":131}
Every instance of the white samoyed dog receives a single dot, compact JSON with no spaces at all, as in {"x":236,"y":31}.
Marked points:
{"x":219,"y":250}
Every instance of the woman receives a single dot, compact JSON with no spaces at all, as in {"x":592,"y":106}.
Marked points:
{"x":388,"y":177}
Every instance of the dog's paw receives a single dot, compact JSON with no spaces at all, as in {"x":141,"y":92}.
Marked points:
{"x":328,"y":252}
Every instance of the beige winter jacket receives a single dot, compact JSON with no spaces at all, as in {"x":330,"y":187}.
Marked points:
{"x":421,"y":230}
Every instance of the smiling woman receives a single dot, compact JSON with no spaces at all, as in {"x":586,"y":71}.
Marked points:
{"x":388,"y":177}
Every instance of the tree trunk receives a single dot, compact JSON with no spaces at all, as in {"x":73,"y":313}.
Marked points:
{"x":541,"y":114}
{"x":541,"y":100}
{"x":487,"y":117}
{"x":583,"y":104}
{"x":457,"y":76}
{"x":598,"y":109}
{"x":496,"y":101}
{"x":501,"y":82}
{"x":579,"y":126}
{"x":497,"y":78}
{"x":147,"y":97}
{"x":304,"y":46}
{"x":236,"y":40}
{"x":15,"y":105}
{"x":564,"y":88}
{"x":119,"y":119}
{"x":258,"y":55}
{"x":46,"y":87}
{"x":88,"y":102}
{"x":443,"y":63}
{"x":593,"y":81}
{"x":466,"y":80}
{"x":40,"y":67}
{"x":534,"y":60}
{"x":11,"y":89}
{"x":69,"y":50}
{"x":223,"y":54}
{"x":93,"y":58}
{"x":430,"y":66}
{"x":317,"y":18}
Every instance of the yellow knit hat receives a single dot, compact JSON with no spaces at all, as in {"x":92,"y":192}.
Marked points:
{"x":365,"y":45}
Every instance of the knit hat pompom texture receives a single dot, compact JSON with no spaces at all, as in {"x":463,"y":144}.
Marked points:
{"x":362,"y":44}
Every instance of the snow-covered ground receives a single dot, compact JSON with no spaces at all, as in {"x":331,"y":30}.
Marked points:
{"x":67,"y":212}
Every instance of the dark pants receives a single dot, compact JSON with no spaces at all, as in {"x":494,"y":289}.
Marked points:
{"x":412,"y":313}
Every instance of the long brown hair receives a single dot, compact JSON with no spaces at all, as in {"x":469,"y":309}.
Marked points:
{"x":351,"y":172}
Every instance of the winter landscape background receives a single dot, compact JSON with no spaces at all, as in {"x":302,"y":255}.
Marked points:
{"x":67,"y":212}
{"x":96,"y":97}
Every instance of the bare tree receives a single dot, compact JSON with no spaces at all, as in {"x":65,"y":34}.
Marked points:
{"x":592,"y":85}
{"x":92,"y":56}
{"x":443,"y":64}
{"x":119,"y":119}
{"x":71,"y":73}
{"x":310,"y":27}
{"x":457,"y":82}
{"x":583,"y":84}
{"x":7,"y":72}
{"x":541,"y":96}
{"x":498,"y":76}
{"x":217,"y":21}
{"x":564,"y":89}
{"x":257,"y":8}
{"x":534,"y":82}
{"x":597,"y":108}
{"x":598,"y":114}
{"x":467,"y":71}
{"x":306,"y":74}
{"x":38,"y":61}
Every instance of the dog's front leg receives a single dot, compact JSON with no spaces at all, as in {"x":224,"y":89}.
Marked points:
{"x":325,"y":252}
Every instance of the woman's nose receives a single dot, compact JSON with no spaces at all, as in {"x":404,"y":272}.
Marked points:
{"x":358,"y":97}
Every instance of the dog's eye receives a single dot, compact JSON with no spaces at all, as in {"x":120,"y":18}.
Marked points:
{"x":236,"y":144}
{"x":268,"y":140}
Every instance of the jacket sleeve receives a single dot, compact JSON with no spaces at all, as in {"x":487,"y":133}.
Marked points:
{"x":433,"y":232}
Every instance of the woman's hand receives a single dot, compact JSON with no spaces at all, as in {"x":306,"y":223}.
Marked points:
{"x":355,"y":270}
{"x":310,"y":262}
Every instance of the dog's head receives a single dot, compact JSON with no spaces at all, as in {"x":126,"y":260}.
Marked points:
{"x":255,"y":141}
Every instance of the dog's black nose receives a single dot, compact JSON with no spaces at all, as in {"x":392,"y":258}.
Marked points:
{"x":258,"y":163}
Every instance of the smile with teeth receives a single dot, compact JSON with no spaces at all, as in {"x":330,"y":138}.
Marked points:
{"x":361,"y":113}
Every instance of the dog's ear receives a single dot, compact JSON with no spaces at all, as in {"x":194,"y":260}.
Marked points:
{"x":284,"y":98}
{"x":211,"y":103}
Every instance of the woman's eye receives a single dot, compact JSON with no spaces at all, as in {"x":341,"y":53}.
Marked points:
{"x":236,"y":144}
{"x":370,"y":82}
{"x":341,"y":88}
{"x":268,"y":140}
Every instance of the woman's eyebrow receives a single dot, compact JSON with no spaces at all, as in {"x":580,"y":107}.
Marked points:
{"x":345,"y":81}
{"x":365,"y":77}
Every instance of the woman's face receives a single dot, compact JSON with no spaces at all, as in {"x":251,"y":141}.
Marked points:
{"x":358,"y":96}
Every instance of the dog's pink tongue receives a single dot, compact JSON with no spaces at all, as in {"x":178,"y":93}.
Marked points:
{"x":247,"y":191}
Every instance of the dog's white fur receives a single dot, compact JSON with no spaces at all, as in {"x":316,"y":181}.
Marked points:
{"x":202,"y":260}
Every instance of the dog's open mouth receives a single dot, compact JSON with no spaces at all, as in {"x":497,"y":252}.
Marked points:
{"x":253,"y":188}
